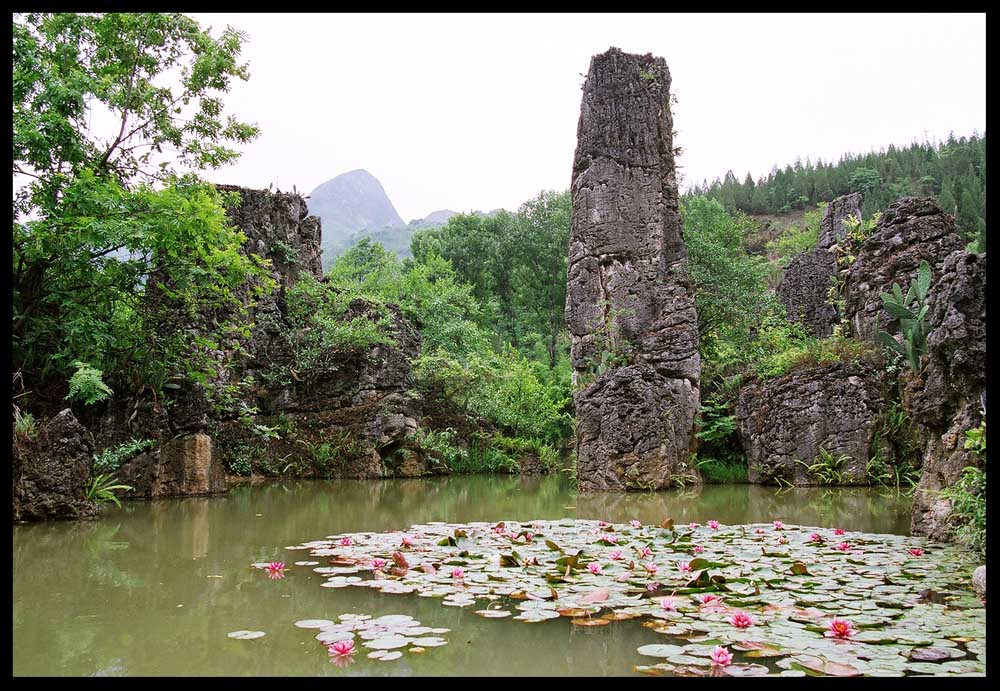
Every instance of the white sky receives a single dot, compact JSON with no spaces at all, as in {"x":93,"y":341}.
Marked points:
{"x":479,"y":111}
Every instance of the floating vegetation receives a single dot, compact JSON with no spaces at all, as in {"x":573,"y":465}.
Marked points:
{"x":246,"y":635}
{"x":786,"y":600}
{"x":385,"y":636}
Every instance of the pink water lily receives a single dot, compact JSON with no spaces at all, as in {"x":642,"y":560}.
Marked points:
{"x":741,"y":620}
{"x":603,"y":524}
{"x":778,"y":525}
{"x":684,"y":566}
{"x":609,"y":538}
{"x":697,"y":549}
{"x":916,"y":551}
{"x":669,"y":604}
{"x":341,"y":648}
{"x":708,"y":599}
{"x":651,"y":587}
{"x":645,"y":552}
{"x":714,"y":525}
{"x":692,"y":525}
{"x":838,"y":531}
{"x":840,"y":628}
{"x":759,"y":531}
{"x":616,"y":555}
{"x":594,"y":567}
{"x":651,"y":567}
{"x":346,"y":541}
{"x":407,"y":541}
{"x":378,"y":564}
{"x":458,"y":573}
{"x":783,"y":540}
{"x":635,"y":523}
{"x":815,"y":537}
{"x":276,"y":569}
{"x":721,"y":657}
{"x":843,"y":546}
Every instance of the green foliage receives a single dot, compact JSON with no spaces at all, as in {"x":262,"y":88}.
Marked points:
{"x":797,"y":239}
{"x":87,"y":384}
{"x":92,"y":238}
{"x":827,"y":468}
{"x":338,"y":449}
{"x":898,"y":475}
{"x":910,"y":310}
{"x":241,"y":465}
{"x":715,"y":471}
{"x":968,"y":495}
{"x":109,"y":460}
{"x":25,"y":425}
{"x":102,"y":489}
{"x":953,"y":171}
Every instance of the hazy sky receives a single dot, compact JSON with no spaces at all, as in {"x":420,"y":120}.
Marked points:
{"x":479,"y":111}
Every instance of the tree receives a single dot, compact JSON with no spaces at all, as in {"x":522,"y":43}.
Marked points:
{"x":91,"y":233}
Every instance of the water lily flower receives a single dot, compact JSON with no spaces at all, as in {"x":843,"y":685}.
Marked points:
{"x":603,"y":524}
{"x":609,"y":538}
{"x":692,"y":525}
{"x":635,"y":523}
{"x":759,"y":531}
{"x":407,"y":541}
{"x":778,"y":525}
{"x":616,"y":555}
{"x":741,"y":620}
{"x":645,"y":552}
{"x":721,"y":657}
{"x":594,"y":567}
{"x":342,"y":648}
{"x":651,"y":567}
{"x":378,"y":564}
{"x":843,"y":546}
{"x":714,"y":525}
{"x":458,"y":573}
{"x":684,"y":566}
{"x":783,"y":540}
{"x":916,"y":551}
{"x":653,"y":586}
{"x":276,"y":569}
{"x":697,"y":549}
{"x":669,"y":604}
{"x":840,"y":628}
{"x":815,"y":537}
{"x":838,"y":531}
{"x":708,"y":599}
{"x":346,"y":541}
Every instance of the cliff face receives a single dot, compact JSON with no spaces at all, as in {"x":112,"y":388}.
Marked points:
{"x":630,"y":304}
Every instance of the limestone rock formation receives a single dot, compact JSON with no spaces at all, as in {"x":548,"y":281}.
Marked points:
{"x":804,"y":287}
{"x":183,"y":466}
{"x":630,"y":304}
{"x":790,"y":418}
{"x":948,"y":398}
{"x":52,"y":471}
{"x":979,"y":581}
{"x":911,"y":230}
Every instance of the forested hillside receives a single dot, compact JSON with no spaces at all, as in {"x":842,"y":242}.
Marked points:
{"x":953,"y":171}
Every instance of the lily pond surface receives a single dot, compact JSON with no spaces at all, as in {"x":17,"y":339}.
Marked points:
{"x":417,"y":577}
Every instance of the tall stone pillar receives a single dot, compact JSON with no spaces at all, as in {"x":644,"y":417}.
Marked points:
{"x":630,"y":303}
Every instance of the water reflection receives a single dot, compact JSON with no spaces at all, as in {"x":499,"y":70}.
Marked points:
{"x":138,"y":592}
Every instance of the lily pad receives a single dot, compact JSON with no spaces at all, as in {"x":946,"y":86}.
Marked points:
{"x":246,"y":635}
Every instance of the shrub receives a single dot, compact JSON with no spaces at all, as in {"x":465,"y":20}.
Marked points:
{"x":109,"y":460}
{"x":102,"y":489}
{"x":968,"y":495}
{"x":87,"y":384}
{"x":910,"y":310}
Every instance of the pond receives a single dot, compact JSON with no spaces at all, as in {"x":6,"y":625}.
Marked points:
{"x":155,"y":588}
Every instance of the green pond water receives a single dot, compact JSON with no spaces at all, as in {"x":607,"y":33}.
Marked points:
{"x":154,"y":588}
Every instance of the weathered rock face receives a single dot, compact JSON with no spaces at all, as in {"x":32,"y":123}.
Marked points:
{"x":183,"y":466}
{"x":52,"y":471}
{"x":911,"y":230}
{"x":831,"y":226}
{"x":949,"y":397}
{"x":630,"y":304}
{"x":979,"y":581}
{"x":789,"y":418}
{"x":805,"y":285}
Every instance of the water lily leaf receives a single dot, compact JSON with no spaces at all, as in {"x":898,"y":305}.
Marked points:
{"x":746,"y":670}
{"x":660,"y":650}
{"x":799,"y":569}
{"x":553,"y":546}
{"x":822,"y":666}
{"x":313,"y":623}
{"x":599,"y":595}
{"x":931,"y":654}
{"x":245,"y":635}
{"x":430,"y":642}
{"x":493,"y":613}
{"x":589,"y":622}
{"x":512,"y":559}
{"x":388,"y":642}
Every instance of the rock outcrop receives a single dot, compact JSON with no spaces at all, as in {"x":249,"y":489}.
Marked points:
{"x":807,"y":279}
{"x":948,"y":398}
{"x":630,"y":303}
{"x":979,"y":581}
{"x":790,"y":418}
{"x":183,"y":466}
{"x":52,"y":472}
{"x":911,"y":230}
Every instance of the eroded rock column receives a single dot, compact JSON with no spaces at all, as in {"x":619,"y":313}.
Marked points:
{"x":630,"y":303}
